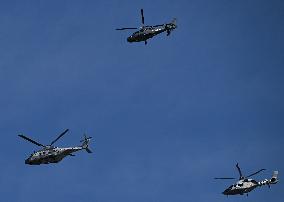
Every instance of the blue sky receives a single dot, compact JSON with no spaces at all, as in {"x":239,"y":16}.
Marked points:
{"x":165,"y":118}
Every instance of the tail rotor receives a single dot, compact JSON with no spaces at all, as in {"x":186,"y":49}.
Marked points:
{"x":85,"y":143}
{"x":171,"y":26}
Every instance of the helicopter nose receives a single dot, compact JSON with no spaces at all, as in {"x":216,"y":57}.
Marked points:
{"x":27,"y":161}
{"x":129,"y":39}
{"x":225,"y":192}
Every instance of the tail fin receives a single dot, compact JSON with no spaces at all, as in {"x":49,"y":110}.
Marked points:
{"x":171,"y":26}
{"x":274,"y":178}
{"x":85,"y":144}
{"x":174,"y":21}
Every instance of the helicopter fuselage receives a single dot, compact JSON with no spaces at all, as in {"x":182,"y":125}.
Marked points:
{"x":148,"y":32}
{"x":241,"y":187}
{"x":145,"y":33}
{"x":50,"y":155}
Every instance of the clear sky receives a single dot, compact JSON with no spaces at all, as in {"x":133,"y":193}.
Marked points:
{"x":165,"y":118}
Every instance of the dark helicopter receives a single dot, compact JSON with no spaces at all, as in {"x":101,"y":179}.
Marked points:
{"x":146,"y":32}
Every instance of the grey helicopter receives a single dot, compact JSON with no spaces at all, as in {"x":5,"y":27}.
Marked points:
{"x":146,"y":32}
{"x":50,"y":154}
{"x":245,"y":184}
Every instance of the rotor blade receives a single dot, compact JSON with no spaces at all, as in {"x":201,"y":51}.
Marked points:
{"x":256,"y":172}
{"x":224,"y":178}
{"x":142,"y":16}
{"x":126,"y":28}
{"x":30,"y":140}
{"x":158,"y":25}
{"x":88,"y":150}
{"x":85,"y":138}
{"x":240,"y":172}
{"x":59,"y":137}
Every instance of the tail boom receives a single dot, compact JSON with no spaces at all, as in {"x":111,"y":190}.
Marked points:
{"x":272,"y":180}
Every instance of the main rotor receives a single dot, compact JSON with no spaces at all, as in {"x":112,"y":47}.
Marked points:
{"x":142,"y":18}
{"x":41,"y":145}
{"x":143,"y":23}
{"x":241,"y":177}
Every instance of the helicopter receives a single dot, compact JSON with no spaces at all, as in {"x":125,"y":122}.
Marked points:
{"x":146,"y":32}
{"x":50,"y":154}
{"x":245,"y":184}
